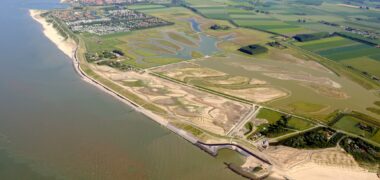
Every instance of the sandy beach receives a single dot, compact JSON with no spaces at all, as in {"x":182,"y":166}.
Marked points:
{"x":67,"y":46}
{"x":313,"y":171}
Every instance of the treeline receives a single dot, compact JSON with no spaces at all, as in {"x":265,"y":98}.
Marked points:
{"x":117,"y":65}
{"x":91,"y":57}
{"x":311,"y":37}
{"x":362,"y":151}
{"x":323,"y":137}
{"x":356,"y":38}
{"x":278,"y":128}
{"x":61,"y":28}
{"x":253,"y":49}
{"x":310,"y":2}
{"x":319,"y":138}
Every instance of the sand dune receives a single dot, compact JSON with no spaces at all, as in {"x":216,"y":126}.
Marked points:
{"x":313,"y":171}
{"x":67,"y":46}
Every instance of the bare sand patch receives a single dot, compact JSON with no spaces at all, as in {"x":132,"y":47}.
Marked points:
{"x":348,"y":5}
{"x":257,"y":82}
{"x":305,"y":77}
{"x":243,"y":87}
{"x":182,"y":74}
{"x":259,"y":95}
{"x":203,"y":110}
{"x":67,"y":46}
{"x":331,"y":163}
{"x":313,"y":171}
{"x":229,"y":80}
{"x":258,"y":67}
{"x":326,"y":90}
{"x":321,"y":85}
{"x":302,"y":62}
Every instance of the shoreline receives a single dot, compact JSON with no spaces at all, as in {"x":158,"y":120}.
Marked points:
{"x":66,"y":46}
{"x":70,"y":48}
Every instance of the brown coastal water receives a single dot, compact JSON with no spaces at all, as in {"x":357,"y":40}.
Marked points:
{"x":55,"y":126}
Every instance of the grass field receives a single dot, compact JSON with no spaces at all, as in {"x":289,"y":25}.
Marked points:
{"x":300,"y":124}
{"x":350,"y":124}
{"x":376,"y":137}
{"x":250,"y":19}
{"x":294,"y":122}
{"x":269,"y":115}
{"x":326,"y":43}
{"x":305,"y":107}
{"x":270,"y":25}
{"x":364,"y":63}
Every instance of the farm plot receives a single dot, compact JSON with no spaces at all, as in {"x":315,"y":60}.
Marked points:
{"x":339,"y":48}
{"x":360,"y":56}
{"x":267,"y":23}
{"x":348,"y":52}
{"x":356,"y":126}
{"x":293,"y":122}
{"x":276,"y":124}
{"x":215,"y":12}
{"x":366,"y":64}
{"x":249,"y":19}
{"x":326,"y":43}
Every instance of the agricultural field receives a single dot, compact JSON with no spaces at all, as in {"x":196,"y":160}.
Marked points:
{"x":292,"y":17}
{"x":250,"y":19}
{"x":356,"y":126}
{"x":269,"y":115}
{"x":293,"y":122}
{"x":361,"y":56}
{"x":274,"y":124}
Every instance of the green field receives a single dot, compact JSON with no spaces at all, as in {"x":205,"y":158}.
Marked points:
{"x":249,"y":19}
{"x":348,"y":52}
{"x":363,"y":57}
{"x":364,"y":63}
{"x":299,"y":124}
{"x":146,"y":6}
{"x":293,"y":123}
{"x":269,"y":115}
{"x":350,"y":124}
{"x":326,"y":43}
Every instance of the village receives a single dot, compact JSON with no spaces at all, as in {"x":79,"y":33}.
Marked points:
{"x":103,"y":2}
{"x":103,"y":21}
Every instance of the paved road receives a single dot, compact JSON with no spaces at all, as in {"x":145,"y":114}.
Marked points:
{"x":244,"y":120}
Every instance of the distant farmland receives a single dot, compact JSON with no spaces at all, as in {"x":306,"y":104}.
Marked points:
{"x":250,"y":19}
{"x":346,"y":51}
